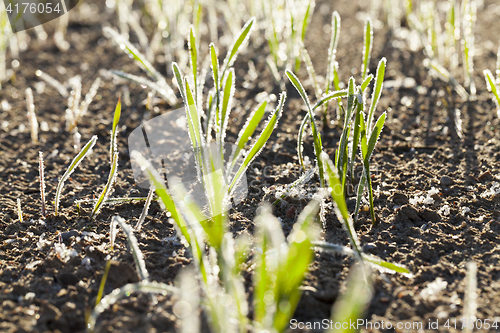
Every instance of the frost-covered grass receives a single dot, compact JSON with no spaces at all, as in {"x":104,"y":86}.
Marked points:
{"x":449,"y":46}
{"x":354,"y":129}
{"x":278,"y":264}
{"x":71,"y":168}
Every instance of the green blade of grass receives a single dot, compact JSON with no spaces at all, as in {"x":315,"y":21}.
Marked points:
{"x":392,"y":268}
{"x":193,"y":58}
{"x":375,"y":262}
{"x":108,"y":188}
{"x":214,"y":228}
{"x":227,"y":99}
{"x":114,"y":131}
{"x":130,"y":49}
{"x":326,"y":97}
{"x":250,"y":126}
{"x":446,"y":76}
{"x":362,"y":181}
{"x":344,"y":159}
{"x":189,"y":237}
{"x":167,"y":94}
{"x":379,"y":83}
{"x":306,"y":176}
{"x":450,"y":33}
{"x":194,"y":129}
{"x":492,"y":86}
{"x":268,"y":237}
{"x":318,"y":146}
{"x":305,"y":24}
{"x":332,"y":50}
{"x":78,"y":158}
{"x":103,"y":282}
{"x":126,"y":291}
{"x":193,"y":115}
{"x":352,"y":305}
{"x":366,"y":82}
{"x":178,"y":79}
{"x":356,"y":136}
{"x":162,"y":192}
{"x":367,"y":150}
{"x":145,"y":209}
{"x":300,"y":140}
{"x":140,"y":264}
{"x":305,"y":121}
{"x":344,"y":138}
{"x":235,"y":48}
{"x":216,"y":101}
{"x":260,"y":142}
{"x":139,"y":57}
{"x":374,"y":136}
{"x":469,"y":17}
{"x":292,"y":271}
{"x":336,"y":85}
{"x":367,"y":48}
{"x":337,"y":192}
{"x":310,"y":69}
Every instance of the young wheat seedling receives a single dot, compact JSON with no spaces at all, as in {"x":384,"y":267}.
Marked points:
{"x":493,"y":87}
{"x":159,"y":84}
{"x":355,"y":300}
{"x":144,"y":213}
{"x":53,"y":82}
{"x":109,"y":300}
{"x":140,"y":264}
{"x":113,"y":150}
{"x":76,"y":110}
{"x":5,"y":33}
{"x":367,"y":49}
{"x":42,"y":181}
{"x":78,"y":158}
{"x":470,"y":297}
{"x":108,"y":188}
{"x":331,"y":71}
{"x":469,"y":18}
{"x":114,"y":131}
{"x":32,"y":116}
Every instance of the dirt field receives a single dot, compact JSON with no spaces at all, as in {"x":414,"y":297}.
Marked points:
{"x":417,"y":153}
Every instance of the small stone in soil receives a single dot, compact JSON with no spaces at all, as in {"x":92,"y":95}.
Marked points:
{"x":68,"y":279}
{"x":399,"y":199}
{"x":368,"y":247}
{"x":485,"y":176}
{"x":446,"y":181}
{"x":68,"y":234}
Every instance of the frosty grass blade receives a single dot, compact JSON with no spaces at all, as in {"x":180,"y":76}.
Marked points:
{"x":83,"y":153}
{"x":108,"y":188}
{"x":318,"y":147}
{"x":260,"y":142}
{"x":140,"y":264}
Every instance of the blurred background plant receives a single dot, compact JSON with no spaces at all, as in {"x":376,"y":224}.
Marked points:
{"x":442,"y":30}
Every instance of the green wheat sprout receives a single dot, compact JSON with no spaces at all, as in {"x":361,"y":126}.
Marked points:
{"x":71,"y":168}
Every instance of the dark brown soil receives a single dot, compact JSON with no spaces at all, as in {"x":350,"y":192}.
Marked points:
{"x":39,"y":292}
